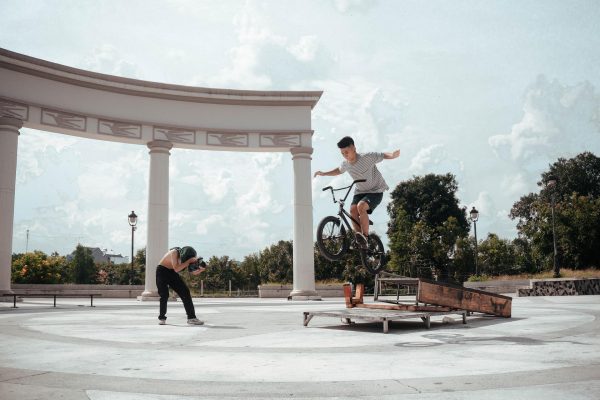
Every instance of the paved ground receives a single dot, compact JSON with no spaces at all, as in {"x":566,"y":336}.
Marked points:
{"x":259,"y":349}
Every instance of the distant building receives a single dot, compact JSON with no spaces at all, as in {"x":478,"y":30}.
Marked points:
{"x":118,"y":259}
{"x":102,"y":256}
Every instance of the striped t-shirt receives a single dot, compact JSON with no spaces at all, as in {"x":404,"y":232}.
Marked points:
{"x":364,"y":168}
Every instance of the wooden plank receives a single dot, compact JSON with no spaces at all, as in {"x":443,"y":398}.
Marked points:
{"x":467,"y":299}
{"x":348,"y":295}
{"x":360,"y":292}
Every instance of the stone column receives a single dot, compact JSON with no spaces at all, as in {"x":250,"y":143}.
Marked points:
{"x":9,"y":138}
{"x":158,"y":213}
{"x":304,"y":263}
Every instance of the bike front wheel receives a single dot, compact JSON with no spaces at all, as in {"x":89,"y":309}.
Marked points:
{"x":331,"y":238}
{"x":373,"y":258}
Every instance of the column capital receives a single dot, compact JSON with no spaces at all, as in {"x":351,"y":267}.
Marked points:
{"x":160,"y":146}
{"x":301,"y":152}
{"x":13,"y":122}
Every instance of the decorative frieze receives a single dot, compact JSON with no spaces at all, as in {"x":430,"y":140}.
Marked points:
{"x":13,"y":109}
{"x":227,"y":139}
{"x":121,"y":129}
{"x":63,"y":119}
{"x":174,"y":135}
{"x":279,"y":140}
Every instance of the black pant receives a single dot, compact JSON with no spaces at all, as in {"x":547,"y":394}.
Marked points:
{"x":165,"y":278}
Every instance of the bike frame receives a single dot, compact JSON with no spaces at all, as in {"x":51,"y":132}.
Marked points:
{"x":342,"y":213}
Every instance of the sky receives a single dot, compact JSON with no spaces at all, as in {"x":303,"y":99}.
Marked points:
{"x":490,"y":91}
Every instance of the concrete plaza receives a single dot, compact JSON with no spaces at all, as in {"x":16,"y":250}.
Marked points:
{"x":259,"y":349}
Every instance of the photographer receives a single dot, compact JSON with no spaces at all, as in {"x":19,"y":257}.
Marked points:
{"x":176,"y":260}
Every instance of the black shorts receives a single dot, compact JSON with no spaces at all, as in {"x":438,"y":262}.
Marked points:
{"x":372,"y":199}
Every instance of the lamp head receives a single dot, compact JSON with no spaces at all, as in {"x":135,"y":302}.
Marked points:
{"x":132,"y":218}
{"x":474,"y":214}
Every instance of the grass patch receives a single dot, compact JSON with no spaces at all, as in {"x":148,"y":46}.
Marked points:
{"x":564,"y":273}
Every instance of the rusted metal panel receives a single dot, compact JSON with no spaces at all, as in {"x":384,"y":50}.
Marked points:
{"x":464,"y":298}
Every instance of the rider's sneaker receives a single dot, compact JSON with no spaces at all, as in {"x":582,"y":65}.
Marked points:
{"x":363,"y":242}
{"x":162,"y":321}
{"x":195,"y":321}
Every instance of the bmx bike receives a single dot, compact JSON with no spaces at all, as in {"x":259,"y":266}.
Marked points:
{"x":335,"y":236}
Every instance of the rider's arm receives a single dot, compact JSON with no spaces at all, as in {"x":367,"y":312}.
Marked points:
{"x":175,"y":261}
{"x":333,"y":172}
{"x":392,"y":155}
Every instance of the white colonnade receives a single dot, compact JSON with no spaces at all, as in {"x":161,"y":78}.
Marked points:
{"x":50,"y":97}
{"x":9,"y":137}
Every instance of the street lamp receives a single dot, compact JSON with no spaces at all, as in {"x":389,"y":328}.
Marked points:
{"x":551,"y":183}
{"x":474,"y":216}
{"x":132,"y":222}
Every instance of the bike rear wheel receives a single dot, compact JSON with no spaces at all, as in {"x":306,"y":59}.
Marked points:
{"x":373,"y":258}
{"x":331,"y":238}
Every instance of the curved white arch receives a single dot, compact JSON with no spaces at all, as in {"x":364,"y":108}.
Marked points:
{"x":57,"y":98}
{"x":51,"y":97}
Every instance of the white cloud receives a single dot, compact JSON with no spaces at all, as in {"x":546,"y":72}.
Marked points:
{"x":37,"y":151}
{"x":484,"y":204}
{"x":306,"y":48}
{"x":263,"y":59}
{"x":431,"y":155}
{"x":204,"y":226}
{"x":107,"y":59}
{"x":558,"y":120}
{"x":354,"y":6}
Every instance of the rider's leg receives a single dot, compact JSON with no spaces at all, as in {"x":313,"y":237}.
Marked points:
{"x":363,"y":217}
{"x":355,"y":215}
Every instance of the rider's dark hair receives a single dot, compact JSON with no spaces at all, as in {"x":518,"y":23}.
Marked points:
{"x":345,"y":142}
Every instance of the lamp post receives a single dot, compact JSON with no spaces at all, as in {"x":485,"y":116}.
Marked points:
{"x":132,"y":222}
{"x":551,"y":182}
{"x":474,"y":216}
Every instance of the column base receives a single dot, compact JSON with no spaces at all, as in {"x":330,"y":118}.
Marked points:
{"x":300,"y":294}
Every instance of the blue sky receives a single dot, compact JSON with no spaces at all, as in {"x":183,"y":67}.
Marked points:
{"x":491,"y":91}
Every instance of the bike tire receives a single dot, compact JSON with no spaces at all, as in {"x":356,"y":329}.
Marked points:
{"x":373,"y":258}
{"x":331,"y":238}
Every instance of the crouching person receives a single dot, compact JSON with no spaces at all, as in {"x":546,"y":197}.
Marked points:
{"x":167,"y":276}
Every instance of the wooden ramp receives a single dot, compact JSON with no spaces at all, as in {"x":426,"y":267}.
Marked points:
{"x":472,"y":300}
{"x":436,"y":294}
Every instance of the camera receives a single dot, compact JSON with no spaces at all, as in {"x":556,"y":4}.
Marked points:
{"x":199,"y":263}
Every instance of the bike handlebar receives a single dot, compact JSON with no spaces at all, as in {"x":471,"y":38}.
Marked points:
{"x":346,"y":187}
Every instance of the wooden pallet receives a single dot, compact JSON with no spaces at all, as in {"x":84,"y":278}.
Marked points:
{"x":381,"y":315}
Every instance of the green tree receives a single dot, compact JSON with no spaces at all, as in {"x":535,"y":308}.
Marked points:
{"x":276,"y":262}
{"x":464,"y":258}
{"x":38,"y":267}
{"x":577,"y":215}
{"x":219,"y":271}
{"x":84,"y":269}
{"x":425,"y":223}
{"x":250,"y":272}
{"x":497,"y":256}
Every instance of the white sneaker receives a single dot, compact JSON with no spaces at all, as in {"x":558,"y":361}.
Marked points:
{"x":162,"y":321}
{"x":195,"y":321}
